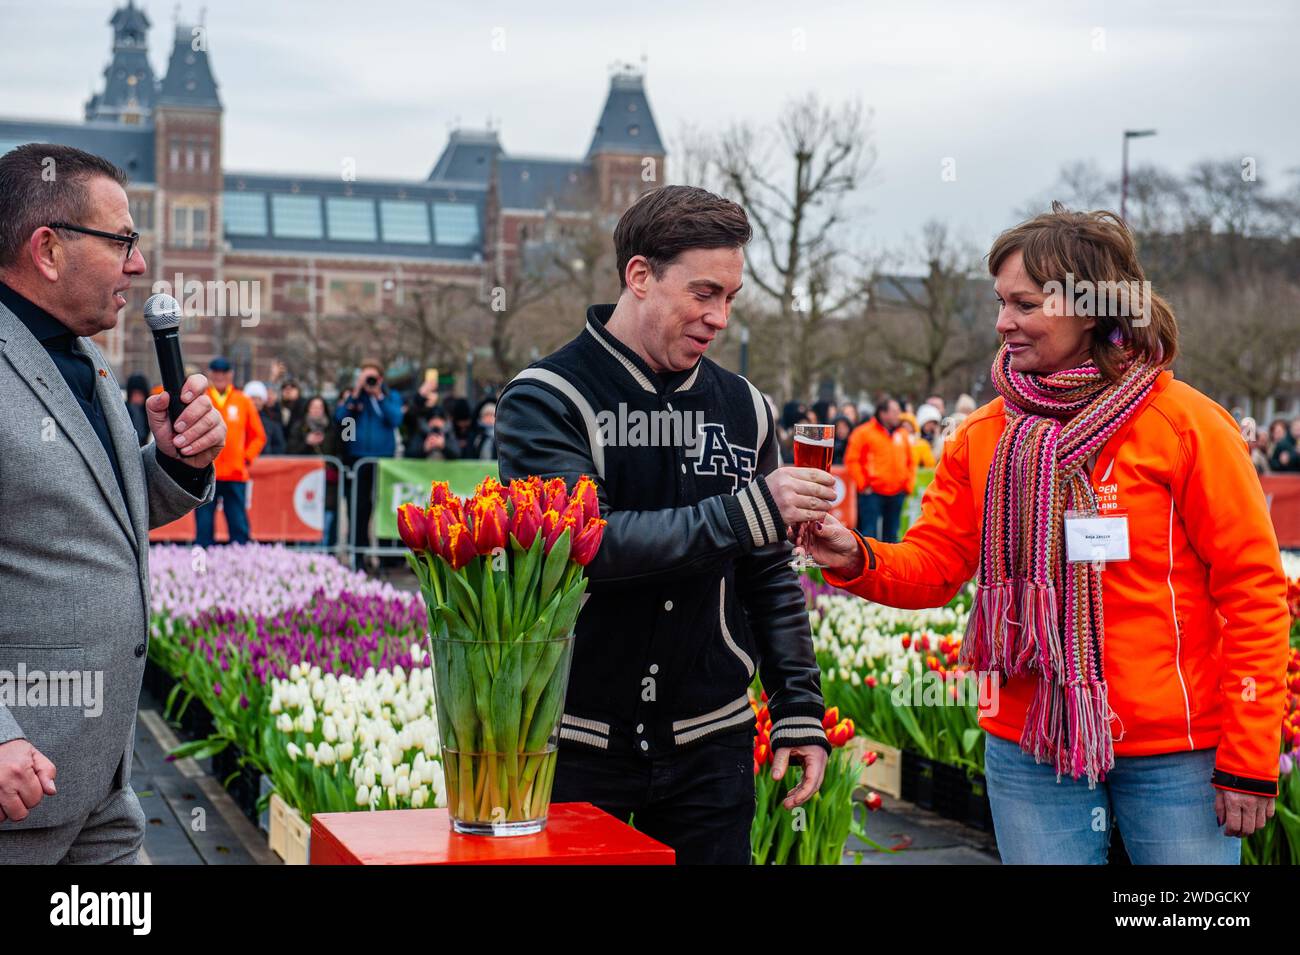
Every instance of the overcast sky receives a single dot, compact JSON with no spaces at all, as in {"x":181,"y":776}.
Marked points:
{"x":1010,"y":91}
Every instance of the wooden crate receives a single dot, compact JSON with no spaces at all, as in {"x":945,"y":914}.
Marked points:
{"x":886,"y":773}
{"x":290,"y":835}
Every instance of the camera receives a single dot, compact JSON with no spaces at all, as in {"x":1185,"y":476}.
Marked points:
{"x":371,"y":381}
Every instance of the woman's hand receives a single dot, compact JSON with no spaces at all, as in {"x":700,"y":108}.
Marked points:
{"x":833,"y":546}
{"x":1241,"y":814}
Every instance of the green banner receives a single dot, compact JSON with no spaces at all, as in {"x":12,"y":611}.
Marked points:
{"x":912,"y":506}
{"x":402,"y":480}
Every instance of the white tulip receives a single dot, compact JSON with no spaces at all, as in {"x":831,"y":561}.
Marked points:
{"x":285,"y":723}
{"x":403,"y":787}
{"x":293,"y":751}
{"x":325,"y":755}
{"x":369,"y":776}
{"x":363,"y":795}
{"x":329,"y":729}
{"x":346,"y":751}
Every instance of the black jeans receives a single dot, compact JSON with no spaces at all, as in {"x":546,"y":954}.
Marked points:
{"x":698,"y":801}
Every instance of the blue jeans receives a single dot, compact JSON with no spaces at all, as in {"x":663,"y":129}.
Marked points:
{"x":233,"y":496}
{"x":875,"y":509}
{"x":1163,"y":805}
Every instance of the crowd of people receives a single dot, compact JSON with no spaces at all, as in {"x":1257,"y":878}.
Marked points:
{"x":1275,"y":449}
{"x":367,"y":420}
{"x":881,"y":445}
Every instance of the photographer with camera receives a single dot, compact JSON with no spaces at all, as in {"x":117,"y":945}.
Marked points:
{"x":429,"y":439}
{"x":367,"y":415}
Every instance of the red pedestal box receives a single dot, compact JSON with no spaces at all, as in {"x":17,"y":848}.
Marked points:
{"x":576,"y":833}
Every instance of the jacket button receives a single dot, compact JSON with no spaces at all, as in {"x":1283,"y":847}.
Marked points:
{"x":640,"y":727}
{"x":644,"y":746}
{"x":139,"y":650}
{"x":668,"y":605}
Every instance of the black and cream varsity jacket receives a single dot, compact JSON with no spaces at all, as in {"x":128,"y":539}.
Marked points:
{"x":691,"y":591}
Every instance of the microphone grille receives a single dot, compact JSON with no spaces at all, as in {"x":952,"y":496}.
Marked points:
{"x":162,"y":312}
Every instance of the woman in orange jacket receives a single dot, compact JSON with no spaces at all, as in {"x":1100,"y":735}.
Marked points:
{"x":1130,"y":614}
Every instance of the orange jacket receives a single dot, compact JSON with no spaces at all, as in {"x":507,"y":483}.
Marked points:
{"x":1196,"y":620}
{"x":878,"y":461}
{"x":245,"y":436}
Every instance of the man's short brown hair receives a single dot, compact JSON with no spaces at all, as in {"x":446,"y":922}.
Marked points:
{"x":670,"y":220}
{"x":42,"y":183}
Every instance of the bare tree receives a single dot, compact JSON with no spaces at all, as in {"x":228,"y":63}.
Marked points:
{"x":434,"y":325}
{"x":795,"y":199}
{"x":1240,"y":337}
{"x":925,"y":333}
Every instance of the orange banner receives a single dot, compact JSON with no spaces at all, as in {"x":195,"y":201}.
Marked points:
{"x":1282,"y":492}
{"x":286,"y":502}
{"x":845,"y":507}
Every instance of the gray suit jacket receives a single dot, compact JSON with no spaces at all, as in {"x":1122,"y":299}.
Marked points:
{"x":74,"y":572}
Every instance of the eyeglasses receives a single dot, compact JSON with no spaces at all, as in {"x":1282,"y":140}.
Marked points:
{"x":129,"y":240}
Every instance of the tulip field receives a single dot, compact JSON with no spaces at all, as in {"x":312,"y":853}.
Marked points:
{"x":319,"y":678}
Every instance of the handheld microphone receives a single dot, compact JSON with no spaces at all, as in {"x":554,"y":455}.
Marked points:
{"x":162,"y":314}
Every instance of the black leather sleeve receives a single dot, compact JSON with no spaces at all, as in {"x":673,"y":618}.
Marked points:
{"x":539,"y":432}
{"x":778,"y":618}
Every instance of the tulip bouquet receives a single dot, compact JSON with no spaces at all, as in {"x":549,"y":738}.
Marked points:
{"x":502,"y":575}
{"x":341,"y":743}
{"x":816,"y":832}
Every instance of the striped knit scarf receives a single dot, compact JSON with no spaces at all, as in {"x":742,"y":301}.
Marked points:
{"x":1034,"y":611}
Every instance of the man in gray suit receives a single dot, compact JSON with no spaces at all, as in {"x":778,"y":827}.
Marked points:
{"x":77,"y":498}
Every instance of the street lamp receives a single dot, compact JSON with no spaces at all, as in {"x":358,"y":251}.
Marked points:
{"x":1123,"y":180}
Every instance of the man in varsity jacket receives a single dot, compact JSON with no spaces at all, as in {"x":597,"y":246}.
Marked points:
{"x":691,"y":592}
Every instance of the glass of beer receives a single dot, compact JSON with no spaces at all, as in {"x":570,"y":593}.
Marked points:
{"x":814,"y":446}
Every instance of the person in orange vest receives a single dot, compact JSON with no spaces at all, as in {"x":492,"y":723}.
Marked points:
{"x":245,"y":438}
{"x":1129,"y":625}
{"x":879,"y":461}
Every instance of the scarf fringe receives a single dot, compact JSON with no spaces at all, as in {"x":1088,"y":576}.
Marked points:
{"x":1069,"y":727}
{"x":1039,"y":613}
{"x":995,"y":641}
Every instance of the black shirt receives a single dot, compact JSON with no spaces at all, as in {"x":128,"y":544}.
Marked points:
{"x":79,"y":372}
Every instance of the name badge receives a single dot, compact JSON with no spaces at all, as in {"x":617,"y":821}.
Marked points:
{"x":1090,"y":536}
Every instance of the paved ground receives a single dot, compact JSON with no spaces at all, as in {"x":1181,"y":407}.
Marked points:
{"x":190,"y":819}
{"x":920,"y":838}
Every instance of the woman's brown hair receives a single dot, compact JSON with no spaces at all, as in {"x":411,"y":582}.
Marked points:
{"x":1095,"y":251}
